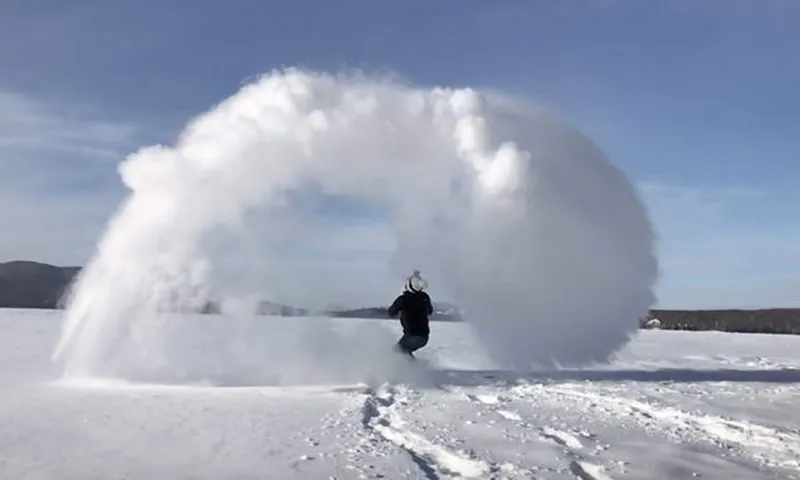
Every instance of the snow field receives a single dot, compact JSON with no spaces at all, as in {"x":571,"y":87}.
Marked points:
{"x":672,"y":405}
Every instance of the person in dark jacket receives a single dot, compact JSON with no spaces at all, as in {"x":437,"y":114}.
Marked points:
{"x":415,"y":307}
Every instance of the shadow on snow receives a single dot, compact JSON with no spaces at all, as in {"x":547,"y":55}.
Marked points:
{"x":437,"y":377}
{"x":665,"y":375}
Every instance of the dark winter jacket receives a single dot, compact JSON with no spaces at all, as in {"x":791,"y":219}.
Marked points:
{"x":414,"y":309}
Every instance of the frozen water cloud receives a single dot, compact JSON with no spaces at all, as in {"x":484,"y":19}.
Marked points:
{"x":542,"y":242}
{"x":554,"y":262}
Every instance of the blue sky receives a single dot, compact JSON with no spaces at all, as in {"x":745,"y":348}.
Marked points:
{"x":696,"y":100}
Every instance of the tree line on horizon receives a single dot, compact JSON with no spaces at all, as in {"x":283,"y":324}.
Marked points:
{"x":771,"y":320}
{"x":25,"y":284}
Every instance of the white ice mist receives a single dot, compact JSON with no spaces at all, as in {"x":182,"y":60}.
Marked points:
{"x":542,"y":242}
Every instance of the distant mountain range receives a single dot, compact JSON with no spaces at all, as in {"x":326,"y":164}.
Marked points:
{"x":27,"y":284}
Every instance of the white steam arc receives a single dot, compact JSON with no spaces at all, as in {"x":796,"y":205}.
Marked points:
{"x":545,"y":245}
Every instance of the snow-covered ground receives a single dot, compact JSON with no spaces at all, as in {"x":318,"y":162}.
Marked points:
{"x":674,"y":405}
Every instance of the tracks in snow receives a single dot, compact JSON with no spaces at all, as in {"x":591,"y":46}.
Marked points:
{"x":564,"y":439}
{"x":770,"y":447}
{"x":568,"y":419}
{"x":380,"y":416}
{"x":571,"y":444}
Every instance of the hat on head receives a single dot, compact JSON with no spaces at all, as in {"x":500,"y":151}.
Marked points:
{"x":415,"y":283}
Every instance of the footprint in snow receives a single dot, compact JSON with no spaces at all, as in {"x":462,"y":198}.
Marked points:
{"x":509,"y":415}
{"x":484,"y":398}
{"x":562,"y":438}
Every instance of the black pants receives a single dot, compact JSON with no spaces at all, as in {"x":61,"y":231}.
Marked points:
{"x":411,"y":343}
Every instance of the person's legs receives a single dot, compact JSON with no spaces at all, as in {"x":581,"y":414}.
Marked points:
{"x":415,"y":342}
{"x":411,"y":343}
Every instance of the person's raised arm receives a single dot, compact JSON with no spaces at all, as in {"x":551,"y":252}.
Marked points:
{"x":429,"y":305}
{"x":395,"y":307}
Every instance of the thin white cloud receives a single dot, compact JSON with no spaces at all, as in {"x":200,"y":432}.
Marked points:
{"x":58,"y":181}
{"x":30,"y":126}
